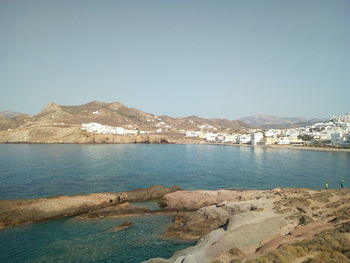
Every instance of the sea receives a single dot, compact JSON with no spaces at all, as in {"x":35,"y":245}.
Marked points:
{"x":39,"y":170}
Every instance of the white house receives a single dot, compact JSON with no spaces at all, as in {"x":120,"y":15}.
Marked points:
{"x":244,"y":138}
{"x":192,"y":133}
{"x":256,"y":137}
{"x":211,"y":137}
{"x":284,"y":140}
{"x":230,"y":138}
{"x":340,"y":138}
{"x":99,"y":128}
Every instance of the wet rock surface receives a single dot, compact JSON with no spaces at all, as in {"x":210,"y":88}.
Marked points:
{"x":125,"y":209}
{"x":122,"y":226}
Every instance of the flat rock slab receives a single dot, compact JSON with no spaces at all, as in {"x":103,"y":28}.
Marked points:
{"x":193,"y":200}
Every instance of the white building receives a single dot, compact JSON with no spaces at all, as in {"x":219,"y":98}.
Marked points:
{"x":99,"y":128}
{"x":244,"y":138}
{"x":284,"y":140}
{"x":192,"y":133}
{"x":211,"y":137}
{"x":340,"y":138}
{"x":256,"y":137}
{"x":230,"y":138}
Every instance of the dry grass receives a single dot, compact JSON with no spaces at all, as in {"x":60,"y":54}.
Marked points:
{"x":328,"y":247}
{"x":293,"y":202}
{"x":322,"y":197}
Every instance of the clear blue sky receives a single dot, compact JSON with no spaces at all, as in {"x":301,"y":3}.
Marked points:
{"x":210,"y":58}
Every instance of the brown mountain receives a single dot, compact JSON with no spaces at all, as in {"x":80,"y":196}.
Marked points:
{"x":57,"y":123}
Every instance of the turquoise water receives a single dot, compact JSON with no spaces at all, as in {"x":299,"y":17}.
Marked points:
{"x":44,"y":170}
{"x":71,"y":240}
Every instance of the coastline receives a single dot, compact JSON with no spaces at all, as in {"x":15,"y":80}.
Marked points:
{"x":290,"y":147}
{"x":279,"y":147}
{"x":273,"y":222}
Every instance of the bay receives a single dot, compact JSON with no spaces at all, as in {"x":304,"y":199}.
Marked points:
{"x":31,"y":171}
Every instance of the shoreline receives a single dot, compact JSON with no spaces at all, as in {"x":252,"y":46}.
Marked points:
{"x":270,"y":220}
{"x":272,"y":146}
{"x":290,"y":147}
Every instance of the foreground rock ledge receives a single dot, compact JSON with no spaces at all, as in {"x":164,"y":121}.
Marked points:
{"x":21,"y":211}
{"x":279,"y":225}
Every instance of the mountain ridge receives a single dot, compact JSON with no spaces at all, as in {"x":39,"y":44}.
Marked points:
{"x":63,"y":124}
{"x":270,"y":121}
{"x":116,"y":113}
{"x":11,"y":114}
{"x":253,"y":121}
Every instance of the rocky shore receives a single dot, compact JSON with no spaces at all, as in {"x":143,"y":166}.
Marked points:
{"x":24,"y":211}
{"x":278,"y":225}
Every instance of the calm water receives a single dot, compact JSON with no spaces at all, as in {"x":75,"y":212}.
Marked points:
{"x":44,"y":170}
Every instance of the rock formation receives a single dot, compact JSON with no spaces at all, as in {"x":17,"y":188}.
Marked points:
{"x":281,"y":225}
{"x":122,"y":226}
{"x":21,"y":211}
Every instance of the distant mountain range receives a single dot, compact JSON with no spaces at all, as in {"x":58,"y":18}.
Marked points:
{"x":10,"y":114}
{"x":273,"y":122}
{"x":11,"y":119}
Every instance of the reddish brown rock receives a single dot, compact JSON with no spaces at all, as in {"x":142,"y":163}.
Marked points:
{"x":120,"y":210}
{"x":193,"y":200}
{"x":122,"y":226}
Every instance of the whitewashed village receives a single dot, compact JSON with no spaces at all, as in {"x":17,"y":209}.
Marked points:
{"x":334,"y":132}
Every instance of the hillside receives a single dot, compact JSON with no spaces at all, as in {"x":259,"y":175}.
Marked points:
{"x":116,"y":114}
{"x":57,"y":123}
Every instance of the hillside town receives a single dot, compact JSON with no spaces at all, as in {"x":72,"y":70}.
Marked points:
{"x":334,"y":132}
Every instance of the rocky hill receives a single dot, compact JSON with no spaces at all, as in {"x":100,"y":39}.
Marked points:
{"x":57,"y":123}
